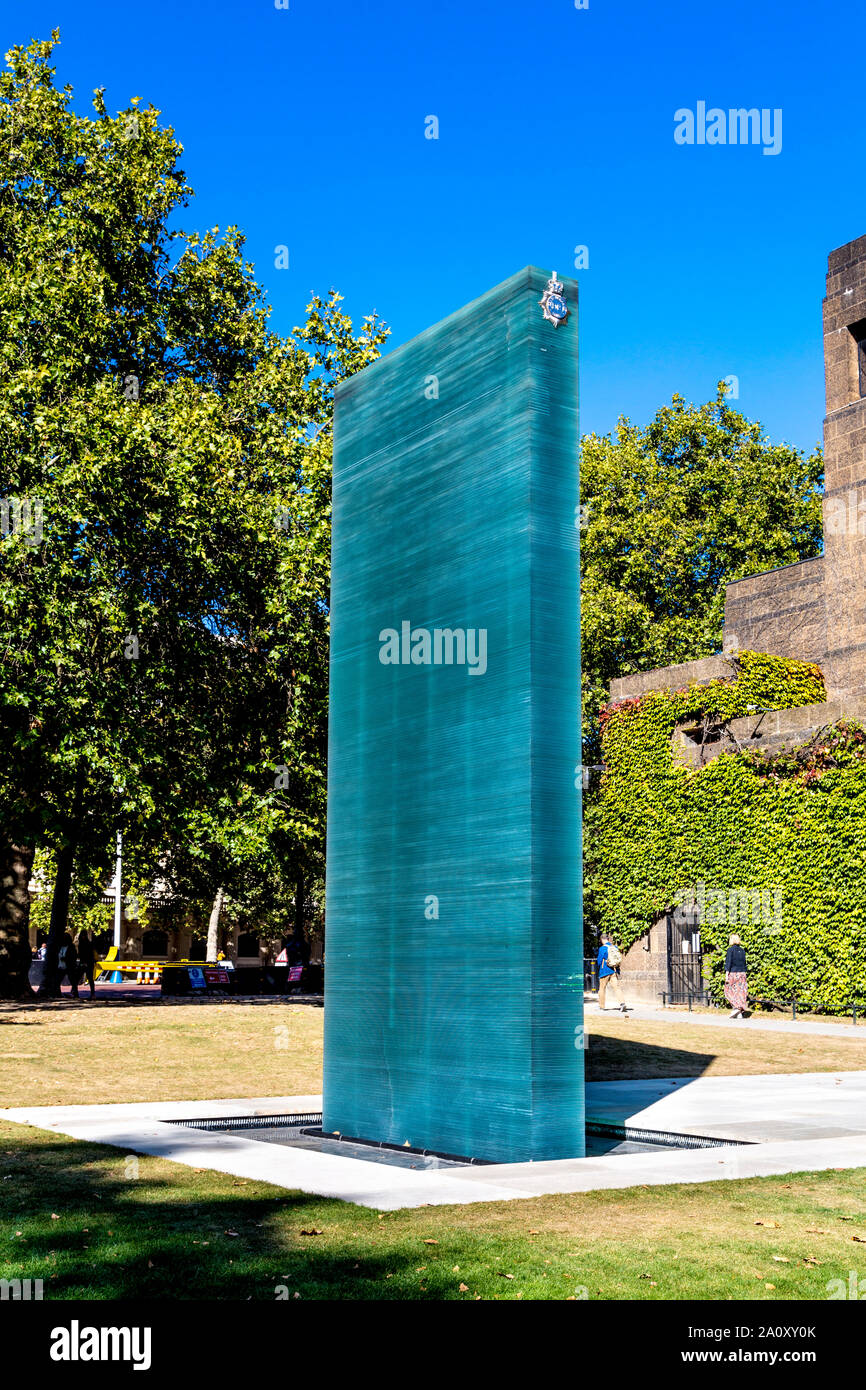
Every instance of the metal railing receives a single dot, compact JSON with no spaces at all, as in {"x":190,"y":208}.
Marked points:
{"x":776,"y":1004}
{"x":856,"y":1004}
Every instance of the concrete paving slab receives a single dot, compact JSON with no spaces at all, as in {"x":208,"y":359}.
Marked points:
{"x":720,"y":1018}
{"x":813,"y":1105}
{"x":770,"y":1108}
{"x":141,"y":1128}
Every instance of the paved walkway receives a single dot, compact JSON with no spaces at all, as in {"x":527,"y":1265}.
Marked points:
{"x":129,"y":993}
{"x":751,"y":1109}
{"x":721,"y":1019}
{"x":808,"y":1123}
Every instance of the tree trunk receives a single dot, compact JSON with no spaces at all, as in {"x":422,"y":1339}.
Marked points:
{"x":213,"y":927}
{"x":300,"y":903}
{"x":16,"y":864}
{"x":57,"y":928}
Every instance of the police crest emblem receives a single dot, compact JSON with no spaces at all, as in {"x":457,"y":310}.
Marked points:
{"x":553,"y":302}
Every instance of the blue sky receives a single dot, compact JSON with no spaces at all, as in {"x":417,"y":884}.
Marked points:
{"x":306,"y":128}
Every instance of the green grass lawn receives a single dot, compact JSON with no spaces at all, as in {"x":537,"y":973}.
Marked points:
{"x":92,"y":1225}
{"x":94,"y":1222}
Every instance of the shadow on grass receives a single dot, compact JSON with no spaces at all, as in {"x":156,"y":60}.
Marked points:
{"x":75,"y":1215}
{"x":624,"y":1059}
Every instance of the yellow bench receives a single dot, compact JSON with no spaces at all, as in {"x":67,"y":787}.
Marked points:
{"x":111,"y":963}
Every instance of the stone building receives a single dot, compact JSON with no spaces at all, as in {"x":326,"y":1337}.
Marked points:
{"x":811,"y":611}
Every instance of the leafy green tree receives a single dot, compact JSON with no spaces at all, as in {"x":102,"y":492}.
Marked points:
{"x":673,"y":511}
{"x":165,"y":620}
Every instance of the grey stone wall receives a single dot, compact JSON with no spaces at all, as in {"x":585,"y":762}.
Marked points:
{"x":845,"y":455}
{"x":767,"y":731}
{"x":781,"y":612}
{"x":672,"y":678}
{"x":644,"y":969}
{"x":814,"y":610}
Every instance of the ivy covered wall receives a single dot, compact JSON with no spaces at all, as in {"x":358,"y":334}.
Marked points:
{"x":774,"y":846}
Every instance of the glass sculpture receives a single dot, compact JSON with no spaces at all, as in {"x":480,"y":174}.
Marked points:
{"x":453,"y":969}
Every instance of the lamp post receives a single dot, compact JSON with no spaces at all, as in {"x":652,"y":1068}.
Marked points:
{"x":117,"y":897}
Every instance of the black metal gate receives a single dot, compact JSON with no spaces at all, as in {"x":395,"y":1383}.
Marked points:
{"x":685,"y":958}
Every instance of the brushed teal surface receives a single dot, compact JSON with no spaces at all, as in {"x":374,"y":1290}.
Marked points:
{"x":454,"y":789}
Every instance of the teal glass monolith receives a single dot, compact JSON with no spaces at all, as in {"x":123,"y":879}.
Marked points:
{"x":453,"y":966}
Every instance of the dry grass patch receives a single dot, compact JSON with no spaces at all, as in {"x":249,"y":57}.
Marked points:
{"x":70,"y":1055}
{"x":623,"y":1049}
{"x":66,"y":1054}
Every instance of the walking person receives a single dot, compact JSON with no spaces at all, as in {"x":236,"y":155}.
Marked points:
{"x":608,"y":974}
{"x":87,"y":957}
{"x":736,"y":985}
{"x":67,"y":961}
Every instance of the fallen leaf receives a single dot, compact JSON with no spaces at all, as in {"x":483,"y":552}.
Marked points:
{"x":782,"y":1259}
{"x":313,"y":1231}
{"x":774,"y":1224}
{"x":431,"y":1242}
{"x":504,"y":1276}
{"x":55,"y":1217}
{"x":817,"y":1231}
{"x":861,"y":1240}
{"x":464,"y":1288}
{"x":769,"y":1286}
{"x":231,"y":1233}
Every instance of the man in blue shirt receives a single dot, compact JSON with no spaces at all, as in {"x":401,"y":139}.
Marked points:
{"x":608,"y":968}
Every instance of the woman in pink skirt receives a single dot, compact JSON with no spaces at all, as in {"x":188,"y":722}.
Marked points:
{"x":735,"y":977}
